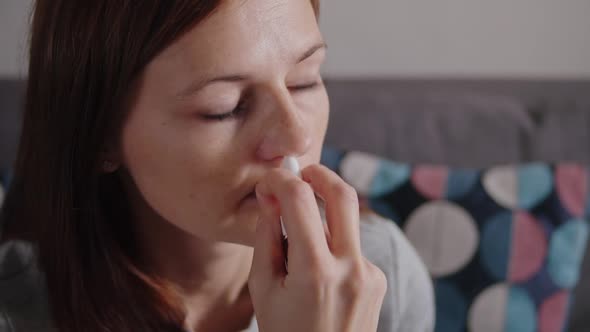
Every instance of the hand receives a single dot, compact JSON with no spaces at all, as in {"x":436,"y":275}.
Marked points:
{"x":329,"y":285}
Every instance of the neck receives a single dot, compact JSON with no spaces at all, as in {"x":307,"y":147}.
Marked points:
{"x":211,"y":276}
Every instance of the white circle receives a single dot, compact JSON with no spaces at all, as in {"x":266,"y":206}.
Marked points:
{"x":359,"y":169}
{"x":501,"y":183}
{"x":444,"y":235}
{"x":488,"y":311}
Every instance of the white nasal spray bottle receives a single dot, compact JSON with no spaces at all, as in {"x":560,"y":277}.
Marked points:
{"x":292,"y":165}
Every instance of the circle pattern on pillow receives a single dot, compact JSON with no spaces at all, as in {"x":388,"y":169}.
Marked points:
{"x":487,"y":311}
{"x":519,"y":187}
{"x":434,"y":228}
{"x":504,"y":245}
{"x":571,"y":182}
{"x":461,"y":182}
{"x":501,"y":183}
{"x":553,"y":312}
{"x":529,"y":247}
{"x":431,"y":180}
{"x":503,"y":308}
{"x":495,"y":245}
{"x":451,"y":307}
{"x":513,"y":246}
{"x":440,"y":182}
{"x":372,"y":176}
{"x":389,"y":177}
{"x":359,"y":169}
{"x":568,"y":244}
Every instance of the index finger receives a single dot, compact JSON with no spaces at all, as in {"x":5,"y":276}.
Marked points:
{"x":301,"y":216}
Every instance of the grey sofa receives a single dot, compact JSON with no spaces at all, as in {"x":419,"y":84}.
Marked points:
{"x":468,"y":123}
{"x":456,"y":122}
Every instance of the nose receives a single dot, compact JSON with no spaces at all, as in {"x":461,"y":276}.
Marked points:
{"x":286,"y":132}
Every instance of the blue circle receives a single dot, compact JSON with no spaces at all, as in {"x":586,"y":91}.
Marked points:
{"x":535,"y":183}
{"x":521,"y":315}
{"x":384,"y":208}
{"x":495,"y":245}
{"x":566,"y":252}
{"x":451,"y":308}
{"x":389,"y":176}
{"x":460,"y":182}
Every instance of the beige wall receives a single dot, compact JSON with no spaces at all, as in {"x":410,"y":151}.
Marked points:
{"x":458,"y":38}
{"x":507,"y":38}
{"x":13,"y":26}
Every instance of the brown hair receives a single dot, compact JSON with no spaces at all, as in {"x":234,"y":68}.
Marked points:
{"x":85,"y":57}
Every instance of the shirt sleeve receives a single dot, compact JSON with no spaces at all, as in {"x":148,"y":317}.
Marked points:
{"x":22,"y":293}
{"x":415,"y":292}
{"x":408,"y":304}
{"x":5,"y":325}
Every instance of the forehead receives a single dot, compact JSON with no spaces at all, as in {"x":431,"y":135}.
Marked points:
{"x":246,"y":33}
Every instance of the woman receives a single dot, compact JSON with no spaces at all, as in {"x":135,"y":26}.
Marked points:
{"x":148,"y":179}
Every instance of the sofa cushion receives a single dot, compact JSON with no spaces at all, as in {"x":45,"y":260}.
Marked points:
{"x":504,"y":245}
{"x":562,"y":131}
{"x":462,"y":128}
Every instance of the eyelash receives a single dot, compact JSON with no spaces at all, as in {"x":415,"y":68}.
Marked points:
{"x":240,"y":107}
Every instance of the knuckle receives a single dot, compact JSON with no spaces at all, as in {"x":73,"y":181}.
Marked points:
{"x":297,"y":188}
{"x":345,"y":192}
{"x":378,"y":279}
{"x":357,"y":282}
{"x":354,"y":287}
{"x":316,"y":167}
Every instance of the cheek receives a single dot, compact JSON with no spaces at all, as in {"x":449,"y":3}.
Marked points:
{"x":173,"y":171}
{"x":319,"y":111}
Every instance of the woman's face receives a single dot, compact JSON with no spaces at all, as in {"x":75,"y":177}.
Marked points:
{"x":190,"y":163}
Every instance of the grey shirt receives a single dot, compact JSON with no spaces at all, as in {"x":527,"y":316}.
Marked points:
{"x":408,"y":304}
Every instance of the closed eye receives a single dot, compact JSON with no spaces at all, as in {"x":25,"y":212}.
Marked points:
{"x":241,"y":107}
{"x":304,"y":87}
{"x":224,"y":116}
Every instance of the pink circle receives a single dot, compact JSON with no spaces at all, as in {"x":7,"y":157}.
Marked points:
{"x":571,"y":181}
{"x":553,"y":313}
{"x":529,"y":247}
{"x":431,"y":181}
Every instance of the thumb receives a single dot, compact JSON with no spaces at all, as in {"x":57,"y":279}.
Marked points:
{"x":268,"y":259}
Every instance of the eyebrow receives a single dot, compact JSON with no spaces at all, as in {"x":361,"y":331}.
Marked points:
{"x":199,"y":84}
{"x":311,"y":51}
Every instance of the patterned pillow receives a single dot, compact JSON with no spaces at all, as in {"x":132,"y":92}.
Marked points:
{"x":503,"y":245}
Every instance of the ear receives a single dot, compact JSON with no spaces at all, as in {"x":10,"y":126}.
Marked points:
{"x":109,"y":166}
{"x":109,"y":161}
